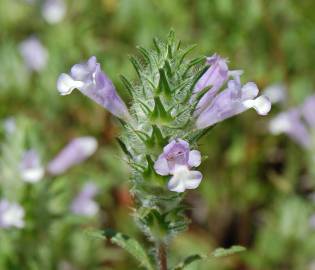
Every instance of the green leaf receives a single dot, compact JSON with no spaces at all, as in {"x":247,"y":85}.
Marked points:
{"x":137,"y":66}
{"x":189,"y":260}
{"x":131,"y":246}
{"x":127,"y":84}
{"x":223,"y":252}
{"x":164,"y":85}
{"x":218,"y":253}
{"x":124,"y":147}
{"x":145,"y":54}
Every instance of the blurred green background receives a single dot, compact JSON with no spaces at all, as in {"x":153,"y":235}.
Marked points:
{"x":257,"y":188}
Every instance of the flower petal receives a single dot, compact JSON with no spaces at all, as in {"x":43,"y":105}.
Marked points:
{"x":249,"y":91}
{"x":82,"y":70}
{"x":194,"y":158}
{"x":175,"y":184}
{"x":184,"y":179}
{"x":161,"y":166}
{"x":261,"y":104}
{"x":193,"y":179}
{"x":66,"y":84}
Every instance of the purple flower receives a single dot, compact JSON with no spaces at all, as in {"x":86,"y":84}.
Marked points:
{"x":31,"y":169}
{"x":34,"y":54}
{"x":308,"y":111}
{"x":215,"y":76}
{"x":177,"y":159}
{"x":291,"y":123}
{"x":54,"y":11}
{"x":89,"y":79}
{"x":234,"y":100}
{"x":74,"y":153}
{"x":84,"y":204}
{"x":11,"y":215}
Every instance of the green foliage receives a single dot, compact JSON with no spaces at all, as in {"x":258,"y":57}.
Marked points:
{"x":218,"y":253}
{"x":131,"y":246}
{"x":161,"y":107}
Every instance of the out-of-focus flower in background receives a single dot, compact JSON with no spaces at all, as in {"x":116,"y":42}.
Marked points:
{"x":290,"y":123}
{"x":54,"y":11}
{"x":308,"y":111}
{"x":75,"y":152}
{"x":35,"y":55}
{"x":84,"y":204}
{"x":298,"y":123}
{"x":277,"y":93}
{"x":177,"y":160}
{"x":9,"y":125}
{"x":11,"y":215}
{"x":30,"y":167}
{"x":89,"y":79}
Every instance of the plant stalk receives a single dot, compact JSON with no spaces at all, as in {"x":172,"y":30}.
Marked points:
{"x":161,"y":256}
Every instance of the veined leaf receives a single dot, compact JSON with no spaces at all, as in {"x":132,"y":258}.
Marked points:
{"x":131,"y":246}
{"x":218,"y":253}
{"x":223,"y":252}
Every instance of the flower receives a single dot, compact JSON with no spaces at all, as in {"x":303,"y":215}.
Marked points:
{"x":34,"y":54}
{"x":30,"y":167}
{"x":234,"y":100}
{"x":11,"y":215}
{"x":84,"y":204}
{"x":291,"y":123}
{"x":89,"y":79}
{"x":308,"y":111}
{"x":72,"y":154}
{"x":215,"y":77}
{"x":276,"y":93}
{"x":9,"y":125}
{"x":54,"y":11}
{"x":177,"y":159}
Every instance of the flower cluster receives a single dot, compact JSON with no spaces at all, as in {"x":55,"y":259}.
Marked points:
{"x":217,"y":106}
{"x":32,"y":171}
{"x":172,"y":107}
{"x":213,"y":106}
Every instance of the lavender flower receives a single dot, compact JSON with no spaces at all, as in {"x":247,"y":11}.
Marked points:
{"x":177,"y":160}
{"x":291,"y":123}
{"x":84,"y":204}
{"x":276,"y":93}
{"x":234,"y":100}
{"x":31,"y":169}
{"x":89,"y":79}
{"x":308,"y":111}
{"x":34,"y":54}
{"x":54,"y":11}
{"x":74,"y":153}
{"x":215,"y":76}
{"x":11,"y":215}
